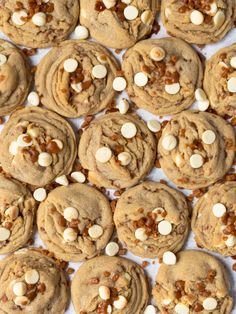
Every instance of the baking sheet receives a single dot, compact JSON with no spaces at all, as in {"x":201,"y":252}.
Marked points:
{"x":156,"y":174}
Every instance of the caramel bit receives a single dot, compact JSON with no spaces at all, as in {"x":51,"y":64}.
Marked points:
{"x":229,"y":219}
{"x":198,"y":307}
{"x":180,"y":285}
{"x":1,"y":120}
{"x":200,"y":286}
{"x":4,"y":298}
{"x":82,"y":312}
{"x":87,"y":121}
{"x":2,"y":77}
{"x":41,"y":287}
{"x":234,"y":267}
{"x":233,"y":121}
{"x":52,"y":147}
{"x":77,"y":76}
{"x":211,"y":275}
{"x":106,"y":274}
{"x":35,"y":6}
{"x":70,"y":271}
{"x":100,"y":6}
{"x":145,"y":264}
{"x":113,"y":205}
{"x":122,"y":252}
{"x":94,"y":281}
{"x":155,"y":28}
{"x":29,"y":52}
{"x":157,"y":164}
{"x":115,"y":277}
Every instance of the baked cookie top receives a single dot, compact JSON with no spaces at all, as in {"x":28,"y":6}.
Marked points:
{"x":118,"y":150}
{"x":37,"y":146}
{"x":198,"y":22}
{"x":196,"y":149}
{"x":162,"y":75}
{"x":38,"y":24}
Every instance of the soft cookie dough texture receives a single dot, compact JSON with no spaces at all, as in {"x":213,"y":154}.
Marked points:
{"x":49,"y":295}
{"x":196,"y":277}
{"x":187,"y":132}
{"x":217,"y":18}
{"x":15,"y":77}
{"x":60,"y":16}
{"x":54,"y":83}
{"x":180,"y":64}
{"x":213,"y":232}
{"x":111,"y":28}
{"x":17,"y":211}
{"x":131,"y":284}
{"x":218,"y":71}
{"x":106,"y":132}
{"x":93,"y":209}
{"x":136,"y":208}
{"x":28,"y":137}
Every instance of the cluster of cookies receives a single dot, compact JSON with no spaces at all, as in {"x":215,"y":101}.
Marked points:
{"x":41,"y":180}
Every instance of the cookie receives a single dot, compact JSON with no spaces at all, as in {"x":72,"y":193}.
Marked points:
{"x":118,"y":24}
{"x":220,"y":81}
{"x":213,"y":220}
{"x":32,"y":282}
{"x":17,"y":210}
{"x":107,"y":282}
{"x":196,"y":149}
{"x":15,"y":77}
{"x":152,"y":218}
{"x":75,"y":222}
{"x":37,"y":146}
{"x":198,"y":22}
{"x":197,"y":283}
{"x":118,"y":150}
{"x":162,"y":75}
{"x":75,"y":78}
{"x":38,"y":24}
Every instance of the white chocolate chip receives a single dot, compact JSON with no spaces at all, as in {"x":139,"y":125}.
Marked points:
{"x":4,"y":234}
{"x":213,"y":9}
{"x":168,"y":12}
{"x":154,"y":126}
{"x":32,"y":276}
{"x":232,"y":62}
{"x":109,"y":309}
{"x":231,"y":84}
{"x":150,"y":309}
{"x":223,"y":64}
{"x":39,"y":19}
{"x":33,"y":132}
{"x":157,"y":54}
{"x":121,"y":303}
{"x":123,"y":106}
{"x":119,"y":84}
{"x":126,"y":1}
{"x":169,"y":258}
{"x":77,"y":87}
{"x":200,"y":95}
{"x":70,"y":65}
{"x":208,"y":137}
{"x":128,"y":130}
{"x":19,"y":288}
{"x":172,"y":89}
{"x":209,"y":304}
{"x":219,"y":210}
{"x":166,"y":301}
{"x":99,"y":71}
{"x":81,"y":32}
{"x":59,"y":143}
{"x":33,"y":99}
{"x":231,"y":241}
{"x":103,"y":154}
{"x":17,"y":17}
{"x":112,"y":249}
{"x":21,"y":141}
{"x":196,"y":161}
{"x":3,"y":59}
{"x":69,"y":235}
{"x":219,"y":18}
{"x":78,"y":176}
{"x":40,"y":194}
{"x":181,"y":308}
{"x":196,"y":17}
{"x":130,"y":12}
{"x":21,"y":301}
{"x":124,"y":158}
{"x":70,"y":213}
{"x":140,"y":79}
{"x":164,"y":227}
{"x":203,"y":105}
{"x":140,"y":234}
{"x":13,"y":148}
{"x":62,"y":180}
{"x":158,"y":211}
{"x":45,"y":159}
{"x":104,"y":292}
{"x":95,"y":231}
{"x":12,"y":212}
{"x":169,"y":142}
{"x":147,"y":17}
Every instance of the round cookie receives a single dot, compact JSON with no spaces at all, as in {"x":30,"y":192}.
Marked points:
{"x":109,"y":281}
{"x":15,"y":77}
{"x":219,"y":81}
{"x":75,"y":222}
{"x":17,"y":210}
{"x":151,"y":219}
{"x":38,"y":24}
{"x":162,"y":75}
{"x":117,"y":24}
{"x":75,"y":78}
{"x":196,"y":149}
{"x":118,"y":150}
{"x":198,"y":22}
{"x":31,"y":282}
{"x":37,"y":146}
{"x":197,"y":283}
{"x":213,"y":220}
